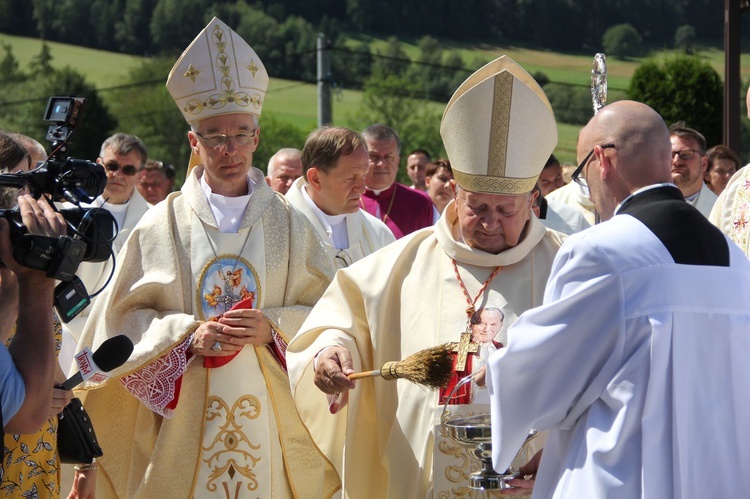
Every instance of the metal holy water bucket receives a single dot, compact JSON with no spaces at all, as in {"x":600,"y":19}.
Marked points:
{"x":476,"y":432}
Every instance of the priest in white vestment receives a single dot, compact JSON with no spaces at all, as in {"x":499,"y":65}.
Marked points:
{"x":334,"y":166}
{"x":731,"y":212}
{"x":487,"y":251}
{"x":637,"y":362}
{"x":210,"y":286}
{"x":123,"y":156}
{"x":576,"y":197}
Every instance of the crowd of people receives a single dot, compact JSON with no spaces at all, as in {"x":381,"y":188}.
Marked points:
{"x":572,"y":305}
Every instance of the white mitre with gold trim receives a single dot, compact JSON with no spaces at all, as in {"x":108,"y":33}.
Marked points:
{"x":219,"y":73}
{"x":498,"y":130}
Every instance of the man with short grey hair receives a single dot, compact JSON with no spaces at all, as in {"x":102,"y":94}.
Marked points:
{"x":123,"y":156}
{"x":284,"y":168}
{"x":402,"y":209}
{"x":210,"y":286}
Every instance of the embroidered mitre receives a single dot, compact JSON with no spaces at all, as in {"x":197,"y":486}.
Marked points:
{"x":499,"y":130}
{"x":219,"y":73}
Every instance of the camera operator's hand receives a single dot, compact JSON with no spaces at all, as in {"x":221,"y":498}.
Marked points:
{"x":33,"y":348}
{"x":40,"y":218}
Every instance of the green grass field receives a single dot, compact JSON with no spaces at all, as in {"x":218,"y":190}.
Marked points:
{"x":296,"y":102}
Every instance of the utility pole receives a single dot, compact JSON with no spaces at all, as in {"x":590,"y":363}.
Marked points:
{"x":732,"y":82}
{"x":325,"y":112}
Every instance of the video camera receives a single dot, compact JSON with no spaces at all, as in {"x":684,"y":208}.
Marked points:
{"x":72,"y":180}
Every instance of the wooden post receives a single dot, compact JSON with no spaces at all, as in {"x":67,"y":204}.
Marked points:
{"x":732,"y":82}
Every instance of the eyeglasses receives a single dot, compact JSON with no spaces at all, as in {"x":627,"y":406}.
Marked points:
{"x":686,"y":154}
{"x":128,"y":170}
{"x":576,"y":176}
{"x":219,"y":140}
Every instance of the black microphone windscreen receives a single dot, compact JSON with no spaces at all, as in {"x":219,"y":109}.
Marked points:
{"x":113,"y":353}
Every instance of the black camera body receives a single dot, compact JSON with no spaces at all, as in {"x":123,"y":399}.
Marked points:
{"x":59,"y":257}
{"x":72,"y":180}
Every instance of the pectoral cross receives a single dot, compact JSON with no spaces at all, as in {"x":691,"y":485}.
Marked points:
{"x":464,"y":347}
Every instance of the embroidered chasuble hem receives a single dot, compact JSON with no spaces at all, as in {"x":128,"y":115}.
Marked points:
{"x":739,"y":218}
{"x":206,"y":397}
{"x":288,"y":421}
{"x":275,"y":327}
{"x":91,"y":386}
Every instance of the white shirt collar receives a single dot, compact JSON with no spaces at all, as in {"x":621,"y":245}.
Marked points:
{"x":118,"y":211}
{"x":228,"y":211}
{"x":644,"y":189}
{"x":334,"y":225}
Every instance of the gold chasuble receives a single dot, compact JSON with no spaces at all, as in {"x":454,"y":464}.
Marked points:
{"x":234,"y":431}
{"x":400,"y":300}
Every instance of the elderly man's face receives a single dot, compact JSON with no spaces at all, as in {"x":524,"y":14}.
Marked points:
{"x":489,"y":327}
{"x":384,"y":160}
{"x":226,"y":166}
{"x":286,"y":169}
{"x":492,"y":222}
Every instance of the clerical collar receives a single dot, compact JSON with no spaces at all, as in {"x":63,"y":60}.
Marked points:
{"x":643,"y":189}
{"x":228,"y":211}
{"x":334,"y":225}
{"x":118,"y":211}
{"x":449,"y":238}
{"x":378,"y":192}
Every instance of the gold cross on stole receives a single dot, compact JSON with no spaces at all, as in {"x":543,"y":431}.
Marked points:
{"x":463,"y":348}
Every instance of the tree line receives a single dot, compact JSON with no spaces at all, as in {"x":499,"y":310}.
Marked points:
{"x":153,"y":27}
{"x":395,"y":86}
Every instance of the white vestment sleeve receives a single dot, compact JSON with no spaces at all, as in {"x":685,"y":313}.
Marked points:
{"x":560,"y":356}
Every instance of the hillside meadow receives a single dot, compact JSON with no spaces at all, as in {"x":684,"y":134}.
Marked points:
{"x":296,"y":102}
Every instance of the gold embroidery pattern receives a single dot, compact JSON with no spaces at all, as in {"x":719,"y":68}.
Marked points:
{"x":494,"y":185}
{"x":252,"y":67}
{"x":457,"y":473}
{"x":503,"y":95}
{"x":229,"y":93}
{"x":741,"y":216}
{"x":230,"y":446}
{"x":192,"y":73}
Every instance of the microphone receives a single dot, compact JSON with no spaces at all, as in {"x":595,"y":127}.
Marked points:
{"x":110,"y":355}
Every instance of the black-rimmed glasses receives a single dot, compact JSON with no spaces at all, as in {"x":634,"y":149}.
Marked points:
{"x":576,"y":176}
{"x":219,"y":140}
{"x":686,"y":154}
